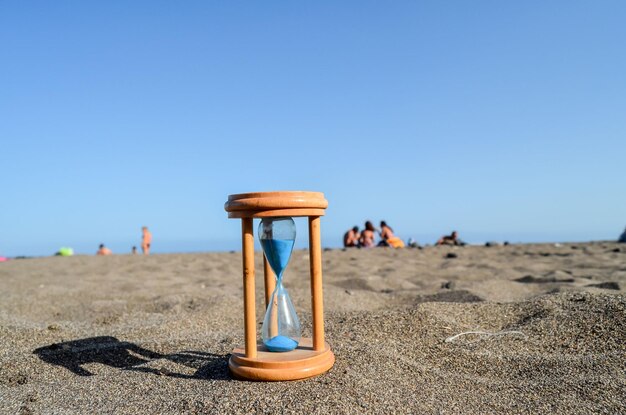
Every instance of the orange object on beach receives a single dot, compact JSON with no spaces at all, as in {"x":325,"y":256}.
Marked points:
{"x":395,"y":242}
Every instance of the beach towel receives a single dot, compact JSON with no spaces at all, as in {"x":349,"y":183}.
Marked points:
{"x":395,"y":242}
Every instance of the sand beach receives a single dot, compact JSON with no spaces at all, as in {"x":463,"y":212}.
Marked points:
{"x":152,"y":334}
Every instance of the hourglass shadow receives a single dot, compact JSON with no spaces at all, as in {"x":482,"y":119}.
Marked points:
{"x":123,"y":355}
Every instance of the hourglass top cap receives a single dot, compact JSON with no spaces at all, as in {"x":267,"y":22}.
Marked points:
{"x":273,"y":204}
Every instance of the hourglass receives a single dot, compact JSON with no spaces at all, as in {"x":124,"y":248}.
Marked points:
{"x":282,"y":354}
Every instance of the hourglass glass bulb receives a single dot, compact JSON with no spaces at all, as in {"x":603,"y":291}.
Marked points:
{"x":281,"y":327}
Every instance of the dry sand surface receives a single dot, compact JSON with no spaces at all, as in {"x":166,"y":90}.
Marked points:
{"x":134,"y":334}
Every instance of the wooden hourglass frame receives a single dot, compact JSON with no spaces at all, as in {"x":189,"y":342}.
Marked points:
{"x":313,"y":355}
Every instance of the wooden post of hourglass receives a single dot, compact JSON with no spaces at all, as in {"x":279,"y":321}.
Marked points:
{"x":317,"y":300}
{"x":270,"y":281}
{"x":248,"y":287}
{"x":270,"y":285}
{"x":313,"y":355}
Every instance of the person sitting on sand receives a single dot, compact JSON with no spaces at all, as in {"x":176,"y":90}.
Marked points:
{"x":388,"y":238}
{"x":103,"y":250}
{"x":622,"y":238}
{"x":146,"y":240}
{"x":452,"y":239}
{"x":351,"y":238}
{"x":366,"y":240}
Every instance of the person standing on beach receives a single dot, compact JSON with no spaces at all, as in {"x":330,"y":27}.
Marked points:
{"x":351,"y":238}
{"x":103,"y":250}
{"x":367,"y":236}
{"x":146,"y":240}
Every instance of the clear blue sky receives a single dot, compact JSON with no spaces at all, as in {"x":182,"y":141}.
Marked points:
{"x":503,"y":120}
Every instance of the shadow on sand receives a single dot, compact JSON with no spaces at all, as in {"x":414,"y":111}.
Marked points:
{"x":112,"y":352}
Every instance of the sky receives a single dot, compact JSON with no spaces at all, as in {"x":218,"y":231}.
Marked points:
{"x":502,"y":120}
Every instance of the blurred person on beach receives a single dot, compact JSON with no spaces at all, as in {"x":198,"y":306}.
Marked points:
{"x":146,"y":240}
{"x":351,"y":238}
{"x":622,"y":238}
{"x":134,"y":250}
{"x":388,"y":238}
{"x":366,"y":240}
{"x":103,"y":250}
{"x":452,"y":239}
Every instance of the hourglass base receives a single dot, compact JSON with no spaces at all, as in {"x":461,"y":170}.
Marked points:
{"x":301,"y":363}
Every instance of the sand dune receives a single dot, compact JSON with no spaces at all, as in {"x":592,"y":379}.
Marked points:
{"x":134,"y":334}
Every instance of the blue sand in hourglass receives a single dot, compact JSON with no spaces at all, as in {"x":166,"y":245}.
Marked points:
{"x":278,"y":252}
{"x":281,"y":344}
